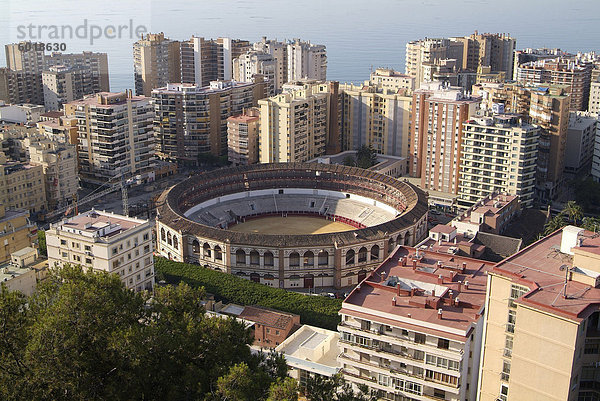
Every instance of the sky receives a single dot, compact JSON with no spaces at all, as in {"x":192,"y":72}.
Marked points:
{"x":359,"y":35}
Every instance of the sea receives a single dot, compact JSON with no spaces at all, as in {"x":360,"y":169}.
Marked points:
{"x":360,"y":35}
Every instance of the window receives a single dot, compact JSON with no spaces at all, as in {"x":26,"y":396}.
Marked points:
{"x":508,"y":346}
{"x":503,"y":393}
{"x":63,"y":242}
{"x":146,"y":237}
{"x":383,"y":380}
{"x":87,"y":248}
{"x":420,"y":338}
{"x":516,"y":291}
{"x":512,"y":319}
{"x":88,"y":261}
{"x":443,"y":343}
{"x":505,"y":375}
{"x":365,"y":325}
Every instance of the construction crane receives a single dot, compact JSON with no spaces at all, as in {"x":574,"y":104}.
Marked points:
{"x":101,"y":191}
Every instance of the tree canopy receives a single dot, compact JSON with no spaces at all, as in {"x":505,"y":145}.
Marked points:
{"x":84,"y":336}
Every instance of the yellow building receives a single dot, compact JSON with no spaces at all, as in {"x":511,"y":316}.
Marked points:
{"x":542,"y":332}
{"x":294,"y":126}
{"x":22,"y":186}
{"x":16,"y":232}
{"x":376,"y":115}
{"x":24,"y":270}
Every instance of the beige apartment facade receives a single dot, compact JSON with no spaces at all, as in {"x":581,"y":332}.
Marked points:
{"x":499,"y":153}
{"x":156,"y":62}
{"x":107,"y":242}
{"x":22,"y":186}
{"x":294,"y":126}
{"x":16,"y":232}
{"x":115,"y":135}
{"x":242,"y":137}
{"x":376,"y":116}
{"x":438,"y":115}
{"x":542,"y":334}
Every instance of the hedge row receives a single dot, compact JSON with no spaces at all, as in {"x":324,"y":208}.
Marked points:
{"x":315,"y":311}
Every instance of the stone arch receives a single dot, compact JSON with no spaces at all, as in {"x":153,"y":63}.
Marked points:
{"x":375,"y":252}
{"x":254,"y":257}
{"x":268,"y":259}
{"x":195,"y":246}
{"x":175,"y":242}
{"x":323,"y":258}
{"x":391,"y":244}
{"x":163,"y":235}
{"x":169,"y":238}
{"x":309,"y":258}
{"x":206,"y":251}
{"x":218,"y":253}
{"x":294,"y":259}
{"x":362,"y":255}
{"x":350,"y":257}
{"x":240,"y":257}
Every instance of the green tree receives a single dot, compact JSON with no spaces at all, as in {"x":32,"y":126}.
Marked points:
{"x":556,"y":223}
{"x":366,"y":157}
{"x":573,"y":211}
{"x":84,"y":336}
{"x":590,"y":223}
{"x":349,"y":161}
{"x":41,"y":234}
{"x":284,"y":390}
{"x":335,"y":388}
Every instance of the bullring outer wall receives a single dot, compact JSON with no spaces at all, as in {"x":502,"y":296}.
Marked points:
{"x":290,"y":261}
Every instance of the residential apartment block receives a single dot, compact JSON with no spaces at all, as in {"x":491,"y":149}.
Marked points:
{"x":294,"y":126}
{"x":94,"y":67}
{"x":278,"y":51}
{"x":20,"y":113}
{"x":571,"y":72}
{"x":306,"y":60}
{"x":438,"y":115}
{"x":542,"y":330}
{"x":207,"y":60}
{"x":251,"y":63}
{"x":242,"y":137}
{"x":594,"y":102}
{"x":581,"y":134}
{"x":412,"y":329}
{"x":191,"y":120}
{"x":388,"y":79}
{"x":491,"y":214}
{"x":468,"y":53}
{"x":22,"y":186}
{"x":107,"y":242}
{"x":376,"y":115}
{"x":156,"y":62}
{"x":499,"y":154}
{"x":115,"y":135}
{"x":16,"y":231}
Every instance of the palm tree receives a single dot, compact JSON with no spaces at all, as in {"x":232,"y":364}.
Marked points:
{"x":556,"y":223}
{"x":574,"y":211}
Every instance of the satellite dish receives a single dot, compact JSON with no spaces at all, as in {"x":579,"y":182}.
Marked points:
{"x":563,"y":268}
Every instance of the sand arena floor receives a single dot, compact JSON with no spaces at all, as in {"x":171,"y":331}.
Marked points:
{"x":291,"y":225}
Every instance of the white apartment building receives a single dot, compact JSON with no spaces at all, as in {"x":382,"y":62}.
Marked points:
{"x":594,"y":102}
{"x":388,"y":79}
{"x":499,"y":154}
{"x":277,"y":50}
{"x":246,"y":66}
{"x":105,"y":241}
{"x":581,"y":135}
{"x":115,"y":135}
{"x":306,"y":60}
{"x":412,"y":329}
{"x":294,"y":124}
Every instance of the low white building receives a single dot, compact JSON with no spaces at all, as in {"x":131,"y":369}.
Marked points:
{"x":105,"y":241}
{"x":311,"y":351}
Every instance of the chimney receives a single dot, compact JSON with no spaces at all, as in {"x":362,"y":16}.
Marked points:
{"x":409,"y":315}
{"x":433,"y":292}
{"x":456,"y":302}
{"x":451,"y":294}
{"x":466,"y":285}
{"x":358,"y":288}
{"x":414,"y":264}
{"x":394,"y":301}
{"x":439,"y":264}
{"x":464,"y":265}
{"x":439,"y":315}
{"x":398,"y":289}
{"x":440,"y":279}
{"x":459,"y":286}
{"x":403,"y":260}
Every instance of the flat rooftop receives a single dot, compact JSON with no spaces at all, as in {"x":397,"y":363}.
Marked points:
{"x":312,"y":348}
{"x":489,"y":205}
{"x":98,"y":224}
{"x":409,"y":288}
{"x":541,"y":267}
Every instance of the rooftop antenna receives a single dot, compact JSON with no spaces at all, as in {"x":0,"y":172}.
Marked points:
{"x":566,"y":270}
